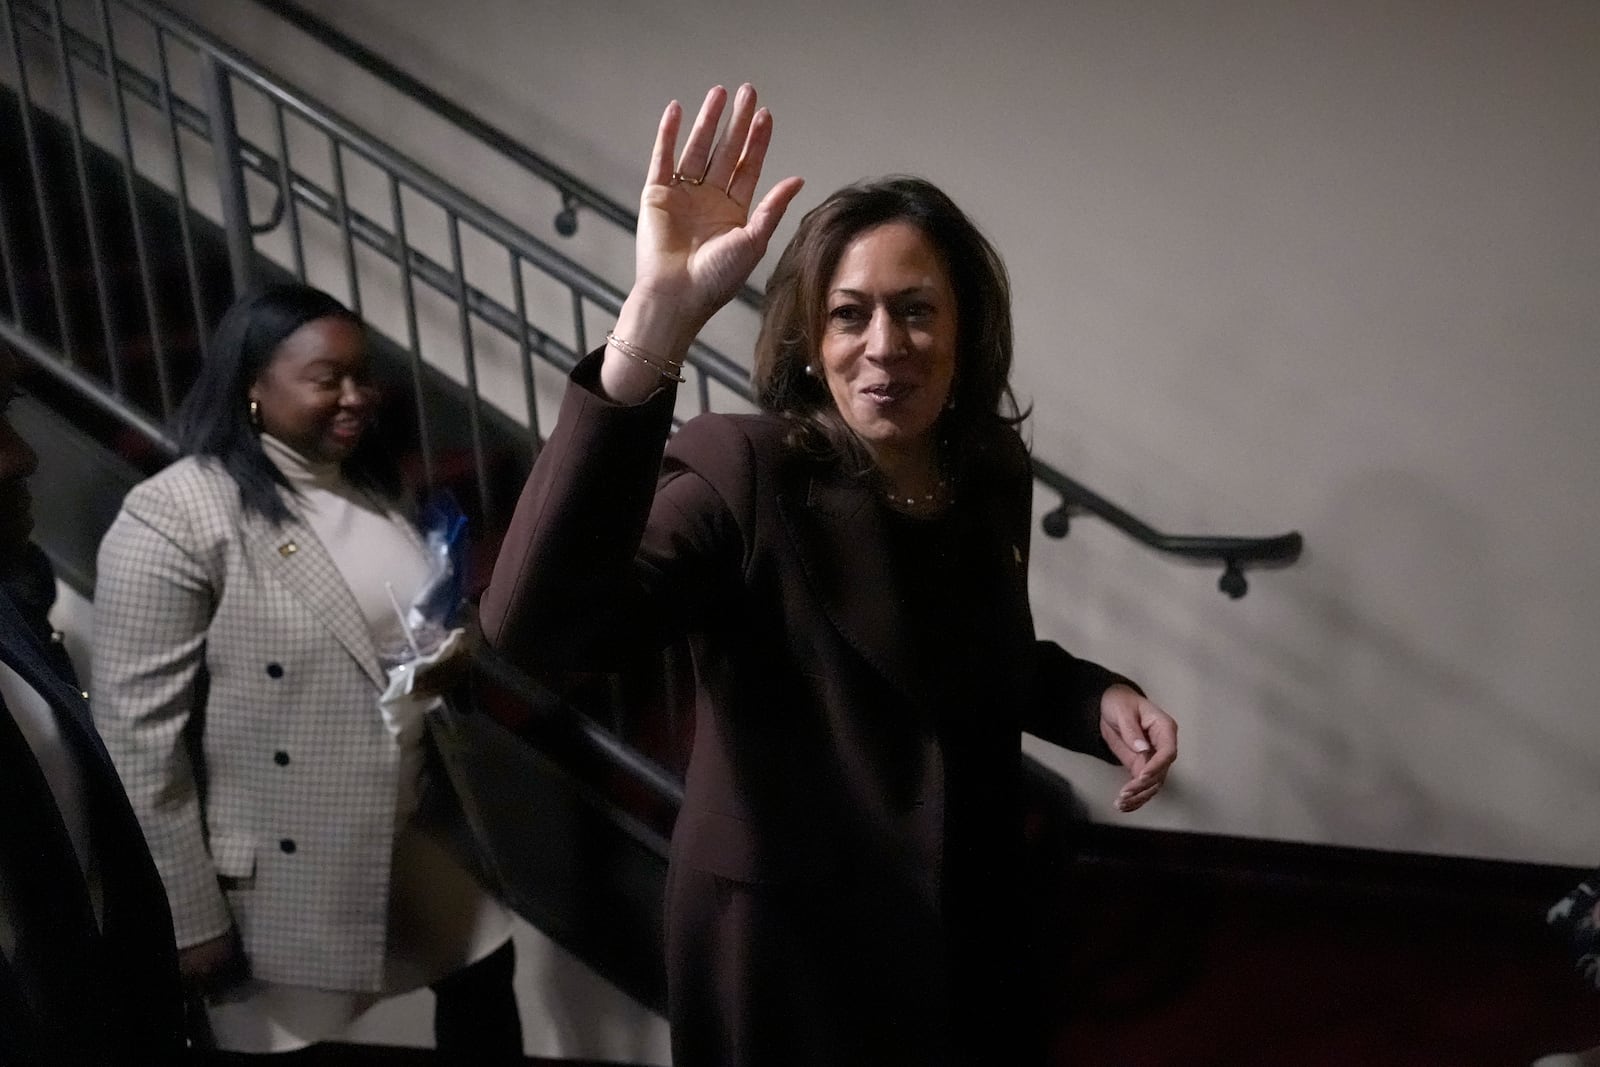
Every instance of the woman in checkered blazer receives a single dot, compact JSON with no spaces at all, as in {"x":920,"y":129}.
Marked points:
{"x":240,"y":611}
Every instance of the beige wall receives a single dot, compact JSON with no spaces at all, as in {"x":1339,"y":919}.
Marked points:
{"x":1305,"y":265}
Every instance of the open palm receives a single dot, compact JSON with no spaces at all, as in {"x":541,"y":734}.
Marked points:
{"x":698,"y":238}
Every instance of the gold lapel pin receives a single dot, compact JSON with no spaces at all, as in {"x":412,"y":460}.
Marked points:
{"x":287,"y":549}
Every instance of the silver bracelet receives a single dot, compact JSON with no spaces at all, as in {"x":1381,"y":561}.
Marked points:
{"x":669,"y":370}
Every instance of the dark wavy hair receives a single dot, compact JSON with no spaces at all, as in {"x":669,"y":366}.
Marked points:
{"x":214,"y":418}
{"x":794,"y":312}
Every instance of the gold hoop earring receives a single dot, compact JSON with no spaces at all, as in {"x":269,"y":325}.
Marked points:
{"x":255,"y":416}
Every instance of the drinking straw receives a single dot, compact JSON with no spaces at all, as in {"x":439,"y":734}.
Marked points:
{"x":411,"y":638}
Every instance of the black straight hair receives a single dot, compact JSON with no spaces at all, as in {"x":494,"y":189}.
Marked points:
{"x":214,"y":418}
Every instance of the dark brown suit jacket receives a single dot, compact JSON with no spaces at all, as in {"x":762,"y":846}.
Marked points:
{"x":809,"y":919}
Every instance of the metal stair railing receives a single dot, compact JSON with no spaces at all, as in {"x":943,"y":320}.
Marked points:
{"x":1234,"y":553}
{"x":51,"y":53}
{"x":576,"y":194}
{"x":124,"y":75}
{"x":443,"y":270}
{"x":518,"y":247}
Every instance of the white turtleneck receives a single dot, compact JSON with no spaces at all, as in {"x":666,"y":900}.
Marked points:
{"x":369,"y":543}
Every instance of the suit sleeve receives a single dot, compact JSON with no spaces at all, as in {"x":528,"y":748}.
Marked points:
{"x":153,"y":603}
{"x":609,"y":552}
{"x":1063,"y":702}
{"x":1065,"y":705}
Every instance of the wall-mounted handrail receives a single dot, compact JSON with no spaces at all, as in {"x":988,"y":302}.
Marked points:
{"x":1233,"y":552}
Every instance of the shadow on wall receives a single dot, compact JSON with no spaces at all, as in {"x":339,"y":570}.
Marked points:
{"x":1388,"y":713}
{"x":1367,"y":696}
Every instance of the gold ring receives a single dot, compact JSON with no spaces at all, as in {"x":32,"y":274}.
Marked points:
{"x":678,"y":176}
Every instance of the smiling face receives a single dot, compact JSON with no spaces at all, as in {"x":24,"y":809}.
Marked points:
{"x":888,"y":350}
{"x":315,"y":395}
{"x":17,"y":462}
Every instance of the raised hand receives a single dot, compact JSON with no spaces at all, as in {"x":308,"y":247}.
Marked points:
{"x":698,"y":237}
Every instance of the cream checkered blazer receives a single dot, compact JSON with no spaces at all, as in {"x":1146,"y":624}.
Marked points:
{"x":219,"y":635}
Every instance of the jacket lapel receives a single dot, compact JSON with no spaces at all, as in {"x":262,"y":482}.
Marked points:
{"x":842,"y":540}
{"x":293,"y":554}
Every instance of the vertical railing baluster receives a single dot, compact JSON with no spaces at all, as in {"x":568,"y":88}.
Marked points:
{"x":47,"y":217}
{"x":703,"y":384}
{"x":342,"y":206}
{"x":580,"y":343}
{"x":413,"y":336}
{"x":91,"y":217}
{"x":181,"y":186}
{"x":8,"y":251}
{"x":525,"y":353}
{"x":229,"y":175}
{"x":291,"y":208}
{"x":141,"y":248}
{"x":470,"y":367}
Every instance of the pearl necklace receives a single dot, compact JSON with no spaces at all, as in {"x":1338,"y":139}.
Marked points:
{"x":938,"y":496}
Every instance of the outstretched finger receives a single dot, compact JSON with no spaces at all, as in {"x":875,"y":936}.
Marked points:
{"x":741,"y":184}
{"x":725,"y":157}
{"x":660,"y":172}
{"x":697,"y":149}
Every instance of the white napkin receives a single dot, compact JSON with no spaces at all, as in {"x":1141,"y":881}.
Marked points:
{"x":404,"y":709}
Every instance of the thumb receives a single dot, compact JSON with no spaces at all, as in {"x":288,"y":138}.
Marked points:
{"x":765,"y":218}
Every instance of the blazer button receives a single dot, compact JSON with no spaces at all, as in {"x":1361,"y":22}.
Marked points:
{"x":274,"y":670}
{"x":281,"y":758}
{"x":287,"y":844}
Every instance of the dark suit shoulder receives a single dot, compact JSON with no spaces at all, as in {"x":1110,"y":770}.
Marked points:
{"x":706,"y":436}
{"x":734,"y":453}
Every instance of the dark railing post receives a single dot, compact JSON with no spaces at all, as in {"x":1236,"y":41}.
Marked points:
{"x":92,"y":219}
{"x":141,"y":244}
{"x":229,"y":174}
{"x":41,"y":201}
{"x":180,"y":183}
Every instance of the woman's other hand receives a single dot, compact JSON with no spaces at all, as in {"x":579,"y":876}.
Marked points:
{"x":1143,"y":737}
{"x":443,"y":674}
{"x":212,"y":965}
{"x":699,"y":237}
